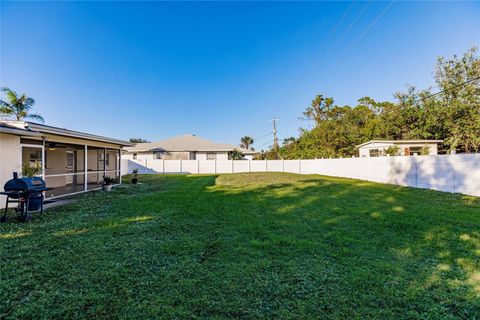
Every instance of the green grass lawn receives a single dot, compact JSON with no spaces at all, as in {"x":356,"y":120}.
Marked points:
{"x":246,"y":246}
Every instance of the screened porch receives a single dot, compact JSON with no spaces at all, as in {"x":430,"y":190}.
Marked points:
{"x":71,"y":168}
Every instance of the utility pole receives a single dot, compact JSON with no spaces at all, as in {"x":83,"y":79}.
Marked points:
{"x":275,"y":138}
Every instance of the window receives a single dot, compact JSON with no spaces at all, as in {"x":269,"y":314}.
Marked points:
{"x":101,"y":155}
{"x":157,"y":155}
{"x":417,"y":150}
{"x":374,"y":153}
{"x":134,"y":156}
{"x":211,"y":156}
{"x":35,"y":156}
{"x":107,"y":162}
{"x":31,"y":155}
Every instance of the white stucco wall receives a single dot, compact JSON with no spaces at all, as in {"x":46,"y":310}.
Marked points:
{"x":140,"y":155}
{"x":10,"y":160}
{"x":220,"y":155}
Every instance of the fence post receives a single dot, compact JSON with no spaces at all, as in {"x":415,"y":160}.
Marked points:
{"x":249,"y":165}
{"x":215,"y":166}
{"x":266,"y":165}
{"x":299,"y":166}
{"x":163,"y":166}
{"x":198,"y":166}
{"x":283,"y":165}
{"x":233,"y":171}
{"x":181,"y":166}
{"x":416,"y":170}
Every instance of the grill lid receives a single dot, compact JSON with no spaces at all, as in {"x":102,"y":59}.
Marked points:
{"x":24,"y":184}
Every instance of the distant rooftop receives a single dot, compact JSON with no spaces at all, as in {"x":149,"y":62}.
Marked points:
{"x":399,"y":142}
{"x":187,"y":142}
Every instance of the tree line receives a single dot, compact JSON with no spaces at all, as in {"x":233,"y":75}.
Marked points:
{"x":450,"y":113}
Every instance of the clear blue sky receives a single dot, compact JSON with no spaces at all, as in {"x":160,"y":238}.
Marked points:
{"x":219,"y":70}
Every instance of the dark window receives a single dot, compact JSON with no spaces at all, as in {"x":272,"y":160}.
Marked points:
{"x":374,"y":153}
{"x":134,"y":156}
{"x":417,"y":150}
{"x":211,"y":156}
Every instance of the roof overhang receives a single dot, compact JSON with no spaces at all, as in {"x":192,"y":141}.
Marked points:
{"x":398,"y":142}
{"x":44,"y":129}
{"x":31,"y":129}
{"x":19,"y":132}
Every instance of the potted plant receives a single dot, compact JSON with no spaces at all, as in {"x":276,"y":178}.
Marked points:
{"x":107,"y":183}
{"x":30,"y":171}
{"x":135,"y":177}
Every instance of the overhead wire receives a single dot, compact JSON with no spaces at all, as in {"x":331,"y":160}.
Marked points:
{"x":324,"y":53}
{"x":365,"y":32}
{"x":439,"y":92}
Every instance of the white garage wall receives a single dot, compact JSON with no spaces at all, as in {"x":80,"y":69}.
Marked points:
{"x":450,"y":173}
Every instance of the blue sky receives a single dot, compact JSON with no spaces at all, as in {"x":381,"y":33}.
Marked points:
{"x":219,"y":70}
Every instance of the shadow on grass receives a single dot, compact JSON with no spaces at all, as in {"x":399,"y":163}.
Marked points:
{"x":250,"y":246}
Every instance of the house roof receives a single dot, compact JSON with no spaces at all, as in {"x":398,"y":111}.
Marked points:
{"x":5,"y":128}
{"x":188,"y":142}
{"x":399,"y":142}
{"x":25,"y":128}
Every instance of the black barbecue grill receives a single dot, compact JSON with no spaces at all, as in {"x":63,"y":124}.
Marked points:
{"x":27,"y":192}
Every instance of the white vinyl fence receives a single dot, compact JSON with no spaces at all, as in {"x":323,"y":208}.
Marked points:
{"x":450,"y":173}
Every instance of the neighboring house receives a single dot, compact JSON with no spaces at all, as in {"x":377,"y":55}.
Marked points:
{"x":71,"y":161}
{"x":185,"y":147}
{"x":377,"y":148}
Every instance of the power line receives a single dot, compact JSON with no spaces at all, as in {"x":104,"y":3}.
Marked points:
{"x":349,"y":27}
{"x":370,"y":26}
{"x":265,"y":135}
{"x":349,"y":73}
{"x":439,"y":92}
{"x":365,"y":31}
{"x":450,"y":88}
{"x":324,"y":53}
{"x":264,"y":144}
{"x":343,"y":17}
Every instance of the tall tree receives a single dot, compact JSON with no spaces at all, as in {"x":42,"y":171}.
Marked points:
{"x":450,"y":113}
{"x":246,"y":142}
{"x":17,"y":107}
{"x":319,"y":110}
{"x":459,"y":104}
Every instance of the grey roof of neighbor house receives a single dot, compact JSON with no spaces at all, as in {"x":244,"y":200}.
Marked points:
{"x":399,"y":142}
{"x":25,"y":128}
{"x":188,"y":142}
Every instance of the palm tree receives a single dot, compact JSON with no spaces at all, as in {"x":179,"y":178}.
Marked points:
{"x":246,"y":142}
{"x":18,"y":107}
{"x":288,"y":140}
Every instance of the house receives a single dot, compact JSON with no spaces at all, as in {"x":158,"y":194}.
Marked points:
{"x":377,"y":148}
{"x":185,"y":147}
{"x":71,"y":161}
